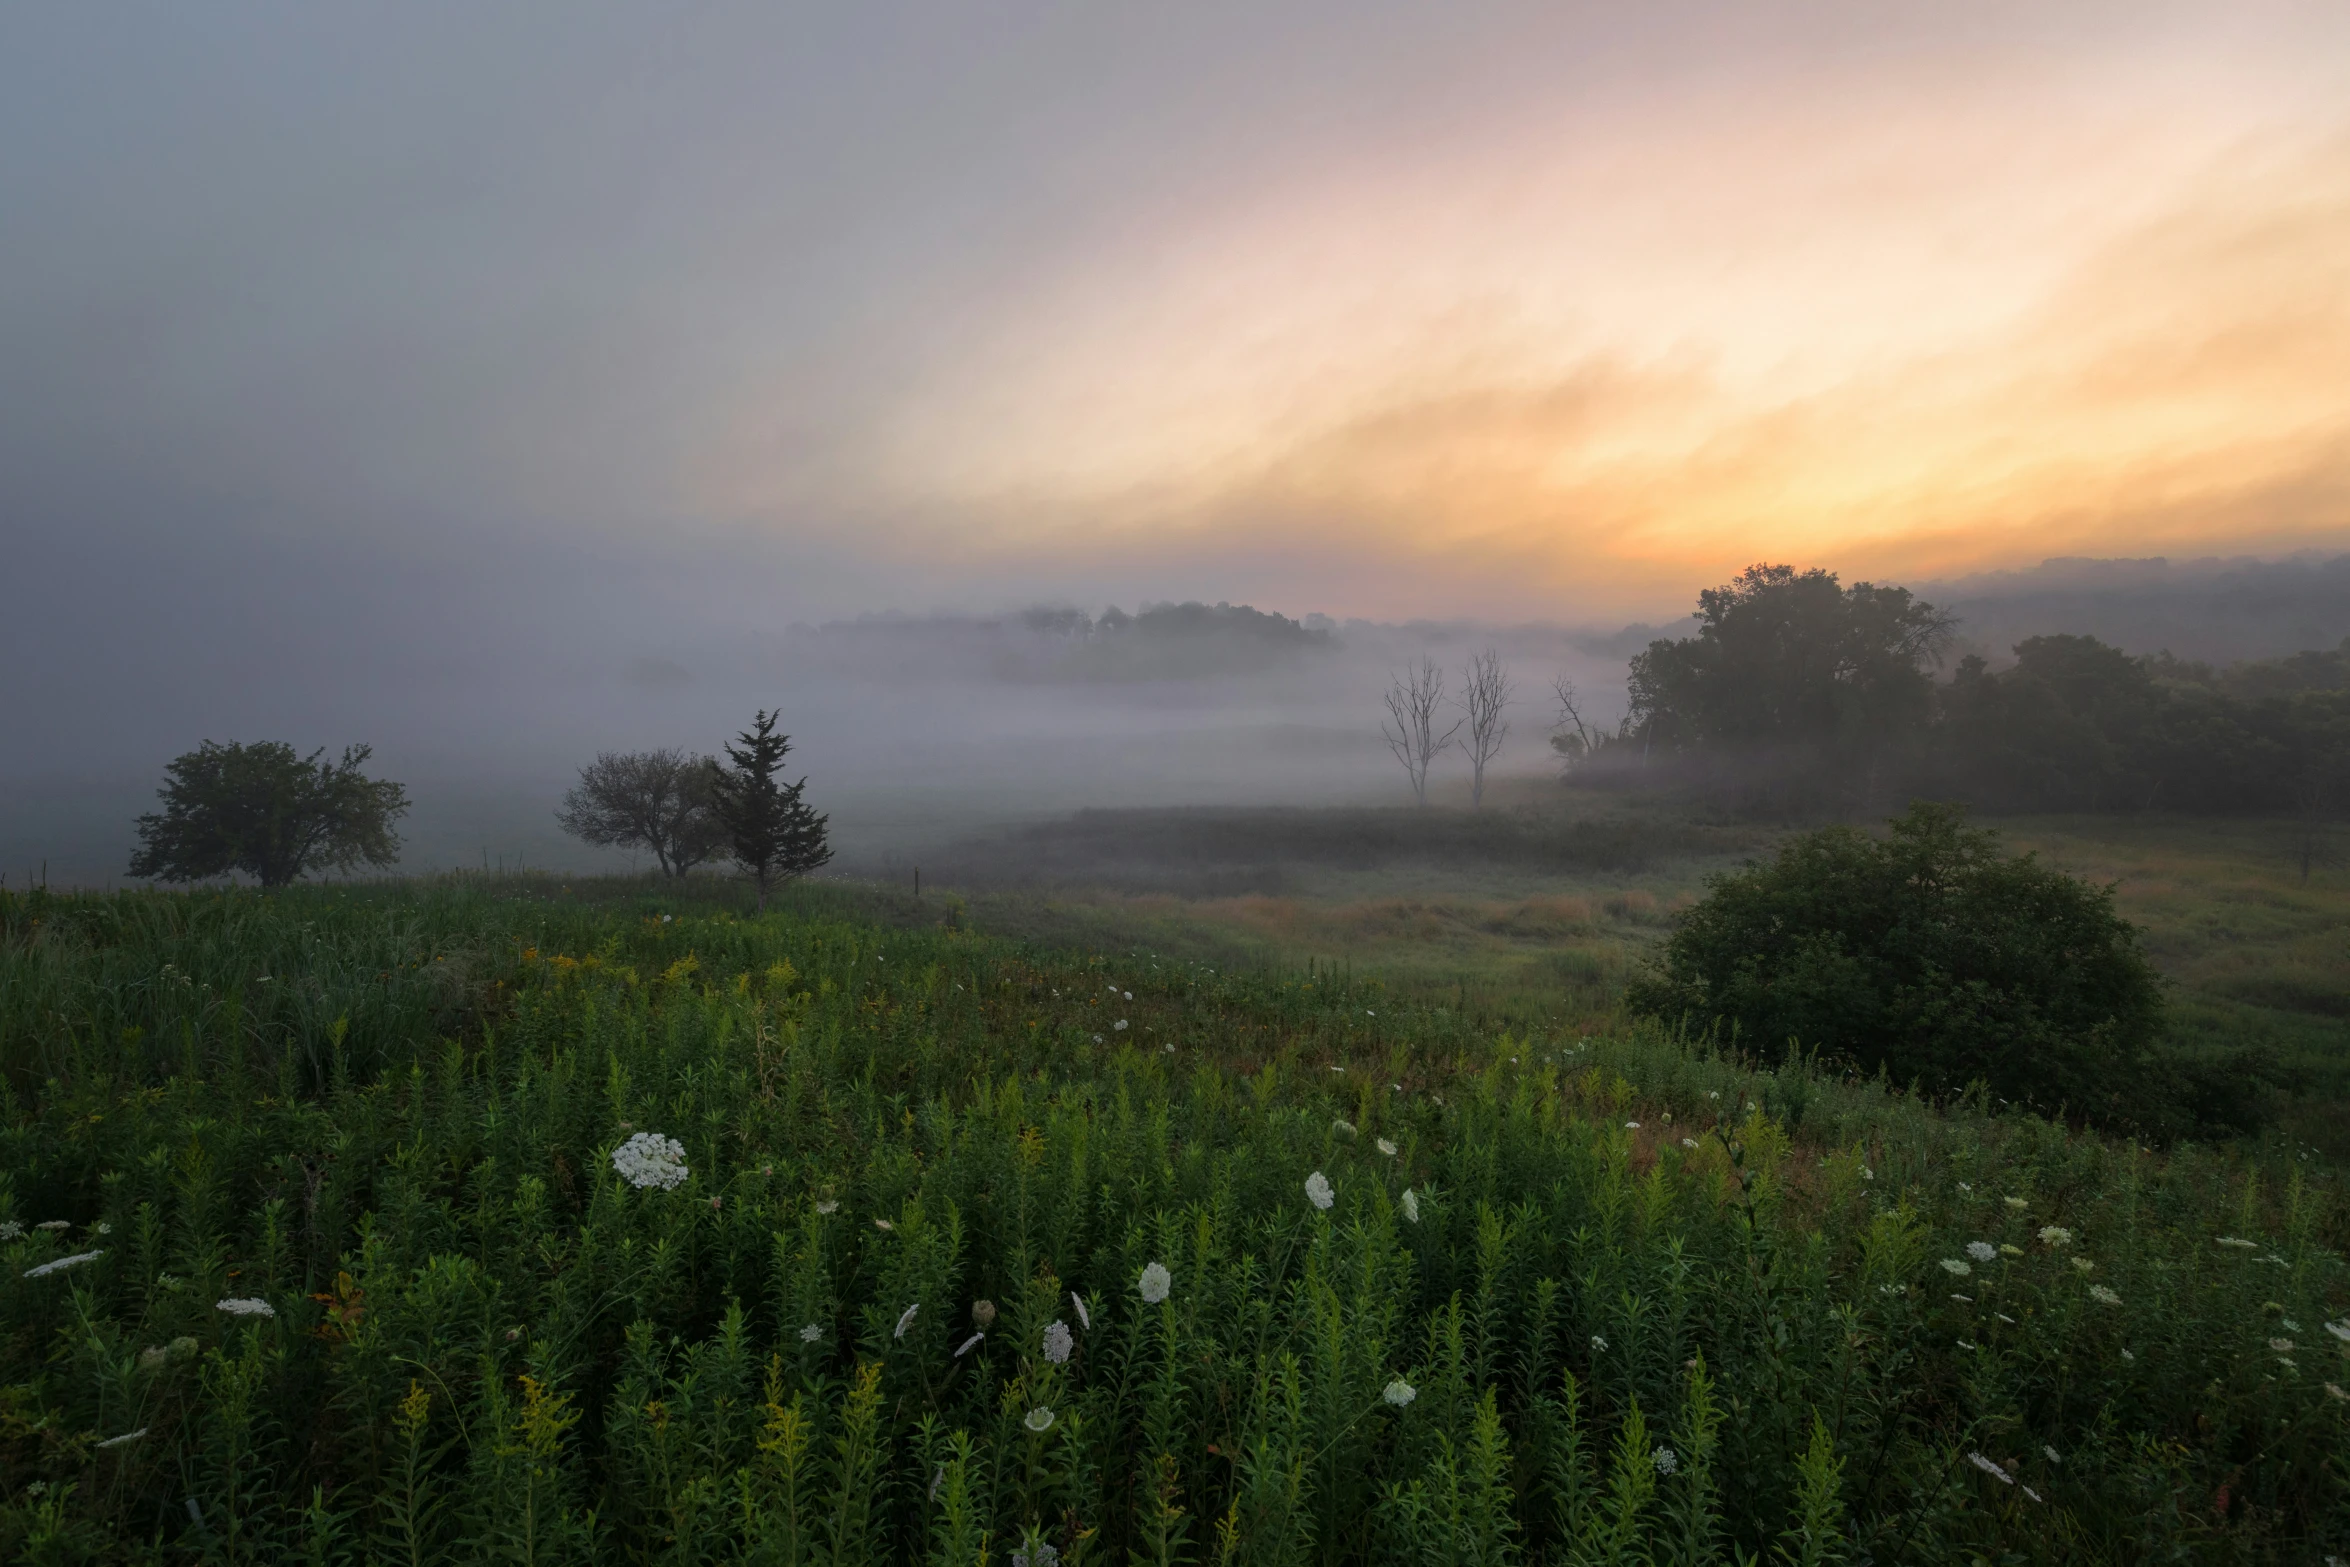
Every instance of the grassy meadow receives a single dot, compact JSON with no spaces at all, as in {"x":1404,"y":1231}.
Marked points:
{"x":978,"y":1249}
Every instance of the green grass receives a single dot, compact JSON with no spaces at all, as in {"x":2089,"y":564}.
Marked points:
{"x":388,"y":1114}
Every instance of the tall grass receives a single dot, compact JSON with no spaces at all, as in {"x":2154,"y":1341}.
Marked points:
{"x":1606,"y":1300}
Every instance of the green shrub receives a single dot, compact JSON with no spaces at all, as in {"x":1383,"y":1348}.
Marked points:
{"x":1929,"y":954}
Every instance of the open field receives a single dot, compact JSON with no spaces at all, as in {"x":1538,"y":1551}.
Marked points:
{"x":316,"y":1248}
{"x":1542,"y":910}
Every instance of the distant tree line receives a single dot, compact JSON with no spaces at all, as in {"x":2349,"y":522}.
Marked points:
{"x":1797,"y":690}
{"x":265,"y":811}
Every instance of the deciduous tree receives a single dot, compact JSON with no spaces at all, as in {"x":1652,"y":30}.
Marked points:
{"x":269,"y":812}
{"x":664,"y":800}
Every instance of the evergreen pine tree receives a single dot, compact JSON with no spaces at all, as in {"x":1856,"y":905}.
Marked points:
{"x":774,"y":834}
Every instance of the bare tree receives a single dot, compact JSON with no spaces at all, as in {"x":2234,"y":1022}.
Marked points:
{"x":1413,"y":700}
{"x":658,"y":800}
{"x":1572,"y":736}
{"x":1485,"y":691}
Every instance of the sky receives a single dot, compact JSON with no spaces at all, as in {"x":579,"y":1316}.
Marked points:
{"x":426,"y":374}
{"x":1542,"y":311}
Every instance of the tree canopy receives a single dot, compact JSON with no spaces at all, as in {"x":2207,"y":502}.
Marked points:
{"x":775,"y":835}
{"x":269,"y":812}
{"x":664,"y":801}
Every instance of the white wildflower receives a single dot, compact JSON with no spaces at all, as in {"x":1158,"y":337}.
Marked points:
{"x":2283,"y":1346}
{"x":10,"y":1230}
{"x":2034,"y":1495}
{"x":1956,"y":1267}
{"x":1598,"y":1344}
{"x":1058,"y":1342}
{"x":2055,"y":1235}
{"x":2126,"y":1355}
{"x":245,"y":1306}
{"x":1118,"y":1027}
{"x":1318,"y":1191}
{"x":2018,"y":1204}
{"x":1039,"y":1419}
{"x":2340,"y":1330}
{"x":2004,"y":1317}
{"x":811,"y":1333}
{"x":884,"y":1225}
{"x":1982,"y":1251}
{"x":152,"y":1358}
{"x":1387,"y":1147}
{"x":907,"y":1320}
{"x":2006,"y":1250}
{"x":2240,"y":1245}
{"x":2337,"y":1394}
{"x":1666,"y":1460}
{"x":1991,"y":1468}
{"x":1966,"y":1186}
{"x":60,"y":1264}
{"x":2053,"y":1456}
{"x":827,"y":1205}
{"x":1399,"y":1393}
{"x":1964,"y":1300}
{"x":1156,"y":1282}
{"x":101,"y":1228}
{"x":648,"y":1160}
{"x":2082,"y":1264}
{"x":1343,"y":1128}
{"x":1867,"y":1174}
{"x":54,"y":1224}
{"x":125,"y":1439}
{"x":1084,"y":1317}
{"x":1631,"y":1126}
{"x":1410,"y":1202}
{"x":968,"y":1345}
{"x":2103,"y":1296}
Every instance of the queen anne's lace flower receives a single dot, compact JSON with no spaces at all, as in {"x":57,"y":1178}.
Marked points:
{"x":1411,"y":1205}
{"x":2055,"y":1235}
{"x":811,"y":1333}
{"x":1956,"y":1267}
{"x":2103,"y":1296}
{"x":1399,"y":1393}
{"x":1156,"y":1282}
{"x":828,"y":1205}
{"x":1666,"y":1460}
{"x":1039,"y":1419}
{"x":60,"y":1264}
{"x":125,"y":1439}
{"x":1387,"y":1147}
{"x":10,"y":1230}
{"x":2083,"y":1264}
{"x":2283,"y":1346}
{"x":1982,"y":1251}
{"x":1058,"y":1342}
{"x":1319,"y":1192}
{"x":2240,"y":1245}
{"x":650,"y":1160}
{"x":2340,"y":1330}
{"x":245,"y":1306}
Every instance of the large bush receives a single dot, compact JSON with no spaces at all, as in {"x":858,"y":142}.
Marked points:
{"x":1928,"y":952}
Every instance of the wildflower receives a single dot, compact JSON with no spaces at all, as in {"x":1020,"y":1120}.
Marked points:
{"x":1631,"y":1126}
{"x":54,"y":1224}
{"x":245,"y":1306}
{"x":884,"y":1225}
{"x":1982,"y":1251}
{"x":1128,"y":994}
{"x":125,"y":1439}
{"x":2240,"y":1245}
{"x":2083,"y":1264}
{"x":2034,"y":1495}
{"x":2053,"y":1456}
{"x":1956,"y":1267}
{"x":1084,"y":1317}
{"x":1039,"y":1419}
{"x":1058,"y":1342}
{"x":2126,"y":1355}
{"x":2004,"y":1317}
{"x":1666,"y":1460}
{"x":182,"y":1347}
{"x":1964,"y":1300}
{"x":2340,"y":1330}
{"x":1990,"y":1468}
{"x":1318,"y":1191}
{"x":983,"y":1313}
{"x":1118,"y":1027}
{"x":10,"y":1230}
{"x":2337,"y":1394}
{"x":1399,"y":1393}
{"x":968,"y":1345}
{"x":2283,"y":1346}
{"x":152,"y":1357}
{"x":811,"y":1334}
{"x":59,"y":1265}
{"x":648,"y":1159}
{"x":1867,"y":1174}
{"x":1689,"y":1142}
{"x":827,"y":1205}
{"x":2018,"y":1204}
{"x":1046,"y":1556}
{"x":1965,"y":1186}
{"x":2005,"y":1250}
{"x":1156,"y":1282}
{"x":1387,"y":1147}
{"x":2055,"y":1235}
{"x":101,"y":1228}
{"x":1598,"y":1344}
{"x":2103,"y":1296}
{"x":906,"y":1321}
{"x":1411,"y":1205}
{"x":938,"y":1478}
